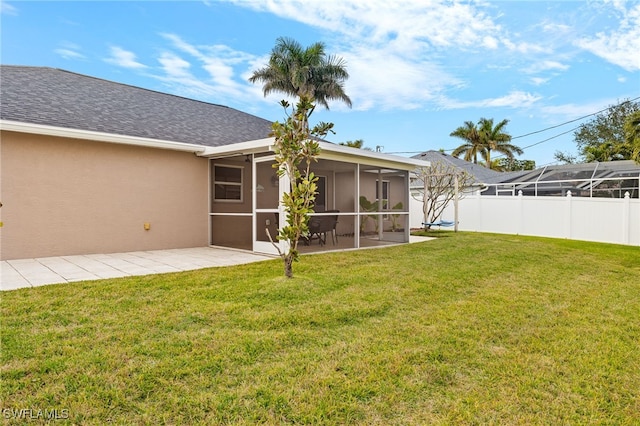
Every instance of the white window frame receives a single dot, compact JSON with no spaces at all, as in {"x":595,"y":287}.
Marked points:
{"x":385,"y":201}
{"x":225,"y":183}
{"x":324,"y":201}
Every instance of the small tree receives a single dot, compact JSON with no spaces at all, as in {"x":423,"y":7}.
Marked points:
{"x":565,"y":157}
{"x":358,"y":143}
{"x":603,"y":138}
{"x":439,"y":188}
{"x":313,"y":77}
{"x":632,"y":135}
{"x":296,"y":149}
{"x":512,"y":165}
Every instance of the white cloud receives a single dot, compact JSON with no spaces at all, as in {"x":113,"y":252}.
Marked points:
{"x":436,"y":23}
{"x":387,"y":80}
{"x":7,"y":9}
{"x":524,"y":47}
{"x":572,"y":111}
{"x":68,"y":50}
{"x":69,"y":54}
{"x":123,"y":58}
{"x":620,"y":46}
{"x":178,"y":74}
{"x":547,"y":65}
{"x":218,"y":61}
{"x":395,"y":48}
{"x":174,"y":66}
{"x":490,"y":42}
{"x":400,"y":54}
{"x":539,"y":81}
{"x":555,"y":28}
{"x":514,"y":99}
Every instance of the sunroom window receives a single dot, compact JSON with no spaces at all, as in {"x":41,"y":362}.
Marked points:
{"x":385,"y":194}
{"x":228,"y":183}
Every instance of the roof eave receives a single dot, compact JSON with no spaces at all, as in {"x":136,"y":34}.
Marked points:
{"x":363,"y":156}
{"x":239,"y":148}
{"x":328,"y":151}
{"x":65,"y":132}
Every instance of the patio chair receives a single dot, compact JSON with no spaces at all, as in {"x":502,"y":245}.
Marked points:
{"x":320,"y":225}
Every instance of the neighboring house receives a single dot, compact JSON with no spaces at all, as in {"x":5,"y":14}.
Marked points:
{"x":480,"y":175}
{"x":94,"y":166}
{"x":611,"y":179}
{"x":589,"y":201}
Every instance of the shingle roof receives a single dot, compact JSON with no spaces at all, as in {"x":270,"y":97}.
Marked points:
{"x":480,"y":174}
{"x":55,"y":97}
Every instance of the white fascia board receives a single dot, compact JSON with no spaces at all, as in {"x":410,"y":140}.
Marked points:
{"x":362,"y":156}
{"x":64,"y":132}
{"x":240,"y":148}
{"x":328,"y":151}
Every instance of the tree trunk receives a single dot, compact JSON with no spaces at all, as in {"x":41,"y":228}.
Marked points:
{"x":288,"y":266}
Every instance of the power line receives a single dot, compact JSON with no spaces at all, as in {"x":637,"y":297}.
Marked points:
{"x":568,"y":131}
{"x":577,"y":119}
{"x":538,"y":143}
{"x":540,"y":131}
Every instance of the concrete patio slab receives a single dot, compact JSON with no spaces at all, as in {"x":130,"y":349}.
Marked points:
{"x":25,"y":273}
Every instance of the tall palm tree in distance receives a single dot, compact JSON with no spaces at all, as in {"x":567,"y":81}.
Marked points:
{"x":304,"y":73}
{"x":494,"y":138}
{"x":473,"y":142}
{"x":483,"y":138}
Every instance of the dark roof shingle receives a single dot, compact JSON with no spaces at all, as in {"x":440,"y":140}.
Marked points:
{"x":480,"y":173}
{"x":49,"y":96}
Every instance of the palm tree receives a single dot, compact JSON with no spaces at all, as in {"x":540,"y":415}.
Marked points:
{"x":305,"y":73}
{"x":473,"y":145}
{"x":494,"y":165}
{"x":493,"y":138}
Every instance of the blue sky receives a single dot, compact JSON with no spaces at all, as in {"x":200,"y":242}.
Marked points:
{"x":418,"y":69}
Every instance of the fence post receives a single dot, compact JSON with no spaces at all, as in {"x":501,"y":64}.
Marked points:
{"x":626,"y":226}
{"x":479,"y":226}
{"x":520,"y":212}
{"x":568,"y":216}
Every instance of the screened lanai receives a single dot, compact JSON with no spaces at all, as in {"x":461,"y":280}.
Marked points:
{"x":363,"y":198}
{"x":611,"y":179}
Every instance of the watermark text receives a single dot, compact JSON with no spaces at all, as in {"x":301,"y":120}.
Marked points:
{"x":35,"y":414}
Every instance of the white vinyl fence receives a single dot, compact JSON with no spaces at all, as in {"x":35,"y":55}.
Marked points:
{"x":608,"y":220}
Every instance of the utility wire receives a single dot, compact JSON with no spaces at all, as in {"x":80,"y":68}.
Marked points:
{"x":577,"y":119}
{"x":540,"y":131}
{"x":543,"y":141}
{"x":568,"y":131}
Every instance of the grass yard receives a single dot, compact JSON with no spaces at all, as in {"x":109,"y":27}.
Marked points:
{"x":466,"y":329}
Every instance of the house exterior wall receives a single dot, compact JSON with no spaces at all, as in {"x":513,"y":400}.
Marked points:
{"x":67,"y":196}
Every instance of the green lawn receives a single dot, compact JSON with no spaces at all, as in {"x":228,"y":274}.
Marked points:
{"x":465,"y":329}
